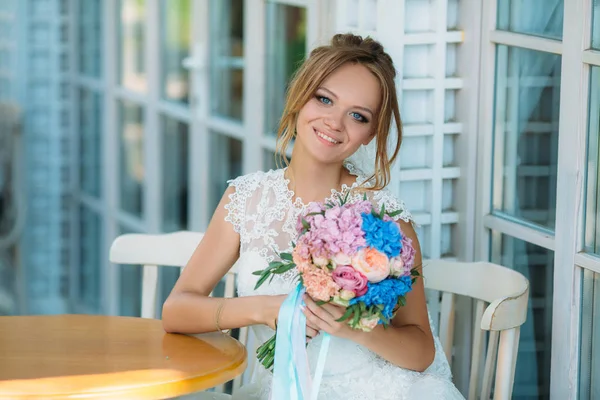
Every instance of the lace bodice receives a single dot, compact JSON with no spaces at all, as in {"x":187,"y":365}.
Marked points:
{"x":263,"y":212}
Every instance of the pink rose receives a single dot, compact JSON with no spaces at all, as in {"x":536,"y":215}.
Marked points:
{"x":320,"y":261}
{"x":350,"y":279}
{"x":341,"y":259}
{"x":372,"y":264}
{"x":397,"y":267}
{"x":368,"y":324}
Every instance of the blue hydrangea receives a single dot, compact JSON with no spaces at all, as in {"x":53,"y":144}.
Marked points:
{"x":385,"y":293}
{"x":382,"y":235}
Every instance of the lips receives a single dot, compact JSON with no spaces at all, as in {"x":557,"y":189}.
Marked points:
{"x":326,"y":138}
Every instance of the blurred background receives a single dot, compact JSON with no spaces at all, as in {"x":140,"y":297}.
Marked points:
{"x":121,"y":116}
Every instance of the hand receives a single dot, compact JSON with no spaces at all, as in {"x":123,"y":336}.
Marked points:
{"x":271,"y":310}
{"x":323,"y":318}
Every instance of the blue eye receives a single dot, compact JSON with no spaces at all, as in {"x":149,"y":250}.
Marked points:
{"x":358,"y":117}
{"x":324,"y":100}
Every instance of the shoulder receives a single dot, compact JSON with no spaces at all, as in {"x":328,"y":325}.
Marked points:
{"x":246,"y":184}
{"x":244,"y":187}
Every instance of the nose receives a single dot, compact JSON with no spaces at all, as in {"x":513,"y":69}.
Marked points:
{"x":333,"y":121}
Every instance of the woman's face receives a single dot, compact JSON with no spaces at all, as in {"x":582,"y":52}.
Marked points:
{"x":341,"y":115}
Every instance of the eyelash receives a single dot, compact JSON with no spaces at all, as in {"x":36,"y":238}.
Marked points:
{"x":361,"y":118}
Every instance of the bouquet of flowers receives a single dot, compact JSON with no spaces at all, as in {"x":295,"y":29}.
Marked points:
{"x":352,"y":255}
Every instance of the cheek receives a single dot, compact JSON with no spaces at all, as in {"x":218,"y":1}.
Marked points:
{"x":309,"y":112}
{"x":360,"y":133}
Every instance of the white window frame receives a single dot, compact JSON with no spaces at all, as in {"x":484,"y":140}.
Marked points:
{"x":567,"y":241}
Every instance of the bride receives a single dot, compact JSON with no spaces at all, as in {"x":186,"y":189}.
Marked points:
{"x":341,"y":99}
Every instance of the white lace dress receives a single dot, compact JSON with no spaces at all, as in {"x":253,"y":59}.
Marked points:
{"x":263,"y":213}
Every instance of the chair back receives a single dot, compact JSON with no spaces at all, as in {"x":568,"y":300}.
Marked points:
{"x":501,"y":296}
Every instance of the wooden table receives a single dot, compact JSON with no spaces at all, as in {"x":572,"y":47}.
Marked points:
{"x":85,"y":356}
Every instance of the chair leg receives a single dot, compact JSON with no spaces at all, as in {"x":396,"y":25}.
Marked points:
{"x":505,"y":372}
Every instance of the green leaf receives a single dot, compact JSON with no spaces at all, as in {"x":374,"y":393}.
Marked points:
{"x":362,"y":307}
{"x":382,"y":213}
{"x":261,"y":280}
{"x":346,"y":315}
{"x":258,"y":272}
{"x":275,"y":264}
{"x":315,"y":213}
{"x":365,"y":196}
{"x":285,"y":268}
{"x":394,"y":213}
{"x":286,"y":256}
{"x":356,"y":318}
{"x":402,"y":301}
{"x":320,"y":302}
{"x":305,"y":224}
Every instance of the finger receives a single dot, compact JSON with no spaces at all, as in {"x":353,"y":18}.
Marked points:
{"x":311,"y":333}
{"x":310,"y":325}
{"x":314,"y":320}
{"x":335,"y":311}
{"x":319,"y":312}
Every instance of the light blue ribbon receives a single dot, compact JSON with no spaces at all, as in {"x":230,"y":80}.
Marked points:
{"x":291,"y":373}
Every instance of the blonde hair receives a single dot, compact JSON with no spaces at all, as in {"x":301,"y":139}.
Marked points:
{"x":321,"y":63}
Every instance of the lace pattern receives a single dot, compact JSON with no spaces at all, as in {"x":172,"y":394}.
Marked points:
{"x":262,"y":211}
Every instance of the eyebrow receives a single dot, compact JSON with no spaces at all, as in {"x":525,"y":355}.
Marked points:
{"x":335,"y":96}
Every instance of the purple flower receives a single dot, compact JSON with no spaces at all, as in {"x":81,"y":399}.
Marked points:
{"x":337,"y":230}
{"x":408,"y":252}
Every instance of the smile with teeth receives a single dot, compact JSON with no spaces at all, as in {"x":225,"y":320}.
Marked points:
{"x":325,"y":137}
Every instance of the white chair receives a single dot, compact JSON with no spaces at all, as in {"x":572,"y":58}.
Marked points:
{"x":505,"y":290}
{"x":167,"y":250}
{"x":501,"y":296}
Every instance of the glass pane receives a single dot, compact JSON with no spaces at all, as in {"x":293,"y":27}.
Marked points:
{"x":270,"y":160}
{"x":168,"y":278}
{"x":131,"y":167}
{"x":532,"y":378}
{"x":90,"y":260}
{"x":526,"y":134}
{"x":592,"y":211}
{"x":130,"y":286}
{"x":534,"y":17}
{"x":225,"y":162}
{"x":176,"y":36}
{"x":589,"y":386}
{"x":286,"y":49}
{"x":175,"y":174}
{"x":596,"y":25}
{"x":227,"y":58}
{"x":90,"y":142}
{"x":89,"y":46}
{"x":131,"y":41}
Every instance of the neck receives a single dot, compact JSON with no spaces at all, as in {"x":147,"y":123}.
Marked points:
{"x":312,"y":181}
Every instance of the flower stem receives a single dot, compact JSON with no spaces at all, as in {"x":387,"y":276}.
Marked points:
{"x":266,"y":353}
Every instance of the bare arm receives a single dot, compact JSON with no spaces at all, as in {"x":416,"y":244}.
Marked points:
{"x":189,"y":309}
{"x":408,"y":341}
